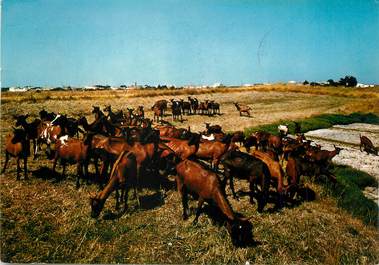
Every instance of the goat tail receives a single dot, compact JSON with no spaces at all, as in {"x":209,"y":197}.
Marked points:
{"x":117,"y":162}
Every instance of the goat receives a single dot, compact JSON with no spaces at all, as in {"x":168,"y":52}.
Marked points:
{"x":367,"y":145}
{"x":114,"y":118}
{"x":176,"y":109}
{"x":183,"y":148}
{"x":124,"y":173}
{"x":245,"y":166}
{"x":47,"y":116}
{"x":161,"y":105}
{"x":71,"y":150}
{"x":194,"y":104}
{"x":213,"y":150}
{"x":158,"y":113}
{"x":238,"y":137}
{"x":214,"y":107}
{"x":283,"y":130}
{"x":186,"y":107}
{"x":249,"y":142}
{"x":17,"y":145}
{"x":276,"y":172}
{"x":242,"y":108}
{"x":194,"y":179}
{"x":31,"y":129}
{"x":212,"y":129}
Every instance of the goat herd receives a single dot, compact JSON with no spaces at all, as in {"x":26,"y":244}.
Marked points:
{"x":129,"y":148}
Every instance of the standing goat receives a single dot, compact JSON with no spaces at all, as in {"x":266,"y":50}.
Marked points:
{"x":17,"y":145}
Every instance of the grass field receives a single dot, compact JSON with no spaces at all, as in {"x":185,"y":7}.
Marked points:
{"x":45,"y":221}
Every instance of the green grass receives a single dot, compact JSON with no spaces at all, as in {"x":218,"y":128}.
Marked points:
{"x":348,"y":192}
{"x":318,"y":122}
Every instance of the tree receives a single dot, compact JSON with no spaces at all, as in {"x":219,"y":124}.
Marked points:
{"x":305,"y":82}
{"x":348,"y":81}
{"x":331,"y":82}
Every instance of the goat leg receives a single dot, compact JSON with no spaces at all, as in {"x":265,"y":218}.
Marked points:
{"x":198,"y":210}
{"x":6,"y":162}
{"x":18,"y":168}
{"x":26,"y":167}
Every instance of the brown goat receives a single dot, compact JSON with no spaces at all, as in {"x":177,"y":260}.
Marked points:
{"x":72,"y":150}
{"x":276,"y":172}
{"x":17,"y":145}
{"x":242,"y":108}
{"x":367,"y":145}
{"x":115,"y":145}
{"x":194,"y":179}
{"x":183,"y":148}
{"x":123,"y":174}
{"x":213,"y":150}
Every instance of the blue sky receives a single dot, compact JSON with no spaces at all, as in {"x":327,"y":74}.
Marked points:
{"x":83,"y":42}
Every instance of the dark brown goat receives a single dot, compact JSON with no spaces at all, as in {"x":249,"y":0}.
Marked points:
{"x":31,"y":129}
{"x":238,"y":137}
{"x":194,"y":179}
{"x":250,"y":142}
{"x":212,"y":129}
{"x":367,"y":145}
{"x":17,"y":145}
{"x":244,"y":166}
{"x":74,"y":151}
{"x":123,"y":174}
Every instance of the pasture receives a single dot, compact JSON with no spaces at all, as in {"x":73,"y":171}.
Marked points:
{"x":44,"y":220}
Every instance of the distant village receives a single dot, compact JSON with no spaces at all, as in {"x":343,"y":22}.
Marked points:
{"x":348,"y":81}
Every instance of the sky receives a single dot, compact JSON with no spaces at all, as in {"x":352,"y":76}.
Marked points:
{"x":189,"y":42}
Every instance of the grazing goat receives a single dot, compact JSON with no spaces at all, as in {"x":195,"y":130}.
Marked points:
{"x":17,"y":145}
{"x":250,"y":142}
{"x":192,"y":178}
{"x":238,"y":137}
{"x":283,"y":130}
{"x":244,"y":166}
{"x":367,"y":145}
{"x":212,"y":129}
{"x":162,"y":105}
{"x":242,"y":108}
{"x":276,"y":172}
{"x":71,"y":150}
{"x":123,"y":174}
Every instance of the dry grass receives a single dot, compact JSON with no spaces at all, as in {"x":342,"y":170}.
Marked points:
{"x":43,"y":221}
